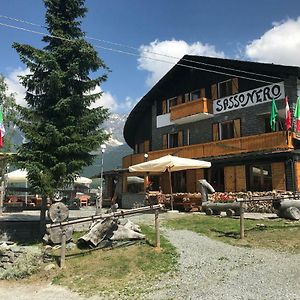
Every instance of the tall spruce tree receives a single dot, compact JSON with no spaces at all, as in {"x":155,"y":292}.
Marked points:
{"x":60,"y":127}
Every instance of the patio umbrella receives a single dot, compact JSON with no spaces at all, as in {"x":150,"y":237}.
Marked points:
{"x":171,"y":164}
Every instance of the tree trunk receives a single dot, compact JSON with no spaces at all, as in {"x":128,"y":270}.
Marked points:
{"x":43,"y":216}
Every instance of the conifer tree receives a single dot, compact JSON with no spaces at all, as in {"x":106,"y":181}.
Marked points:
{"x":60,"y":127}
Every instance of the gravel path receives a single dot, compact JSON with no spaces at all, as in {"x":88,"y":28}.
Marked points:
{"x":212,"y":270}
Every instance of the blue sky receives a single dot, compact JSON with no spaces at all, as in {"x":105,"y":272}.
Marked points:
{"x":258,"y":30}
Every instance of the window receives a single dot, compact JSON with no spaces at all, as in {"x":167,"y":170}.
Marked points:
{"x":179,"y":182}
{"x":225,"y":88}
{"x":173,"y":140}
{"x":228,"y":87}
{"x":171,"y":102}
{"x":215,"y":176}
{"x":195,"y":95}
{"x":260,"y":177}
{"x":226,"y":130}
{"x":280,"y":124}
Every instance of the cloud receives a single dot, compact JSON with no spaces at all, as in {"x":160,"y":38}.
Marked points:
{"x":14,"y":86}
{"x":279,"y":45}
{"x":167,"y":53}
{"x":107,"y":100}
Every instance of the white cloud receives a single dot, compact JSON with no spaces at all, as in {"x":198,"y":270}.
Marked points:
{"x":14,"y":85}
{"x":279,"y":45}
{"x":170,"y":51}
{"x":107,"y":100}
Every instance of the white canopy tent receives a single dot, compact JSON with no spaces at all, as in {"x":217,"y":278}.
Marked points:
{"x":171,"y":164}
{"x":20,"y":176}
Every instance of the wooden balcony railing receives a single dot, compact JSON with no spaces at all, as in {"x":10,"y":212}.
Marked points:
{"x":273,"y":141}
{"x":190,"y":108}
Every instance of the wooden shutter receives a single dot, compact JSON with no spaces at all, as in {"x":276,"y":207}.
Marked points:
{"x":214,"y":92}
{"x":165,"y":141}
{"x":215,"y":133}
{"x":164,"y":106}
{"x":278,"y":176}
{"x":229,"y":179}
{"x":237,"y":128}
{"x":235,"y":86}
{"x":180,"y":138}
{"x":202,"y":93}
{"x":240,"y":172}
{"x":146,"y":146}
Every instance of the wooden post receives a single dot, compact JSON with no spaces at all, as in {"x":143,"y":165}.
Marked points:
{"x":157,"y":233}
{"x":242,"y":225}
{"x":63,"y":248}
{"x":2,"y":197}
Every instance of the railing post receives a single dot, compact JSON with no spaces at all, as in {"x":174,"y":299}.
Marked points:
{"x":157,"y":231}
{"x":63,"y":247}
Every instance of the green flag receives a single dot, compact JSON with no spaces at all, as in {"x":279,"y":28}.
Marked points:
{"x":273,"y":116}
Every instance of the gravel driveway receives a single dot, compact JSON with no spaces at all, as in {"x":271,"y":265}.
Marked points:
{"x":212,"y":270}
{"x":208,"y":270}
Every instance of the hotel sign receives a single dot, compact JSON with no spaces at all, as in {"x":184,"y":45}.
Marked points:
{"x":249,"y":98}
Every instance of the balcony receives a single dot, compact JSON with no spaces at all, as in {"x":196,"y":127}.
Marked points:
{"x":192,"y":111}
{"x":274,"y":141}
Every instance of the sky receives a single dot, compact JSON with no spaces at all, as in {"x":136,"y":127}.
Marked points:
{"x":141,"y":40}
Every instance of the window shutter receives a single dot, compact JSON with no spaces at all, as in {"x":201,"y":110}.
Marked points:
{"x":214,"y":92}
{"x":146,"y":146}
{"x":235,"y":86}
{"x":180,"y":138}
{"x":164,"y":106}
{"x":237,"y":128}
{"x":165,"y":141}
{"x":215,"y":128}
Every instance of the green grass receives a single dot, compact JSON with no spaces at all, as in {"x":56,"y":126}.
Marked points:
{"x":124,"y":270}
{"x":277,"y":234}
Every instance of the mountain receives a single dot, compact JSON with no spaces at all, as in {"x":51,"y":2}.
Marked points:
{"x":116,"y":147}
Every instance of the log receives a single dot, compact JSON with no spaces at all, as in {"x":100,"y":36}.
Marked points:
{"x":232,"y":208}
{"x":291,"y":213}
{"x":288,"y":208}
{"x":98,"y":232}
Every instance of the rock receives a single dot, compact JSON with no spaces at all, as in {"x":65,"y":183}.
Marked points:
{"x":50,"y":267}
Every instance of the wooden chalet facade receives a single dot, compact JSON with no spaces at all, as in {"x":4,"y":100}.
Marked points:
{"x":219,"y":110}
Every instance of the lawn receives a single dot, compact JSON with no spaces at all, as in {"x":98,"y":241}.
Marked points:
{"x":278,"y":234}
{"x":124,"y":270}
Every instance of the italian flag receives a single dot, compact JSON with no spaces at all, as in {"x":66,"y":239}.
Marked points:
{"x":287,"y":114}
{"x":2,"y":129}
{"x":297,"y":115}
